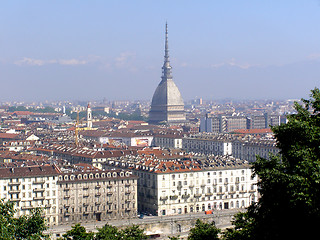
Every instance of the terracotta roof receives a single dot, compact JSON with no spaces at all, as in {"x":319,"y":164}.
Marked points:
{"x":253,"y":131}
{"x":22,"y":113}
{"x":8,"y":135}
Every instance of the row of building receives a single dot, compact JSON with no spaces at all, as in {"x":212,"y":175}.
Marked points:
{"x":69,"y":197}
{"x":244,"y":148}
{"x":173,"y":182}
{"x":241,"y":147}
{"x":223,"y":123}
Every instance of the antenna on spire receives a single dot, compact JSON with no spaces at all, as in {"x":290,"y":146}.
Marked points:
{"x":166,"y":69}
{"x":166,"y":44}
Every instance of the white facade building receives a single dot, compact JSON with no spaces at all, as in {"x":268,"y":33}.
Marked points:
{"x":249,"y":149}
{"x":205,"y":190}
{"x":207,"y":145}
{"x":168,"y":141}
{"x":169,"y":187}
{"x":31,"y":187}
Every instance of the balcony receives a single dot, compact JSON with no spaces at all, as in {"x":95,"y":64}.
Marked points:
{"x":185,"y":196}
{"x":14,"y":183}
{"x":39,"y":198}
{"x":173,"y":197}
{"x":27,"y":207}
{"x":197,"y":195}
{"x":15,"y":199}
{"x":14,"y":191}
{"x":109,"y":193}
{"x":39,"y":181}
{"x":164,"y":198}
{"x":98,"y":186}
{"x":38,"y":190}
{"x":209,"y":194}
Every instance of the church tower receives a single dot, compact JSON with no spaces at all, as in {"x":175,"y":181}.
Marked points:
{"x":167,"y":104}
{"x":89,"y":117}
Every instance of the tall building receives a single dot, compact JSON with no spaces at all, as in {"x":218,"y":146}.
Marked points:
{"x":167,"y":104}
{"x":89,"y":117}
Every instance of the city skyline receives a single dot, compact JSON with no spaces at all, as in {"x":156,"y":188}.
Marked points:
{"x":219,"y":50}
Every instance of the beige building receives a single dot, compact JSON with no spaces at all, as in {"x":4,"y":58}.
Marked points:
{"x":250,"y":148}
{"x":168,"y":141}
{"x":97,"y":196}
{"x":208,"y":144}
{"x":68,"y":198}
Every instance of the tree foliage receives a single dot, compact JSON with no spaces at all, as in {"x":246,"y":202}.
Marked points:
{"x":289,"y":206}
{"x":133,"y":232}
{"x":107,"y":232}
{"x":25,"y":227}
{"x":203,"y":231}
{"x":78,"y":232}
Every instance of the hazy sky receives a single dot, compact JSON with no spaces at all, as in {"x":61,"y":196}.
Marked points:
{"x":91,"y":49}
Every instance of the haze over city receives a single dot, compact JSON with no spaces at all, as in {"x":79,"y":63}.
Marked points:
{"x":114,"y":49}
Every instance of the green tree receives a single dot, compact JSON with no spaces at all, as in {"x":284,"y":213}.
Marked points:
{"x":108,"y":232}
{"x":7,"y":225}
{"x":25,"y":227}
{"x":203,"y":231}
{"x":78,"y":232}
{"x":289,"y":206}
{"x":174,"y":237}
{"x":133,"y":232}
{"x":31,"y":226}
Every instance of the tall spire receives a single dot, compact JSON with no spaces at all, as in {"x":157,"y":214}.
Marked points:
{"x":166,"y":69}
{"x":166,"y":51}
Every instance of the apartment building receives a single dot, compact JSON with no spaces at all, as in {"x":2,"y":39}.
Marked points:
{"x":97,"y":196}
{"x":181,"y":191}
{"x":169,"y":187}
{"x":167,"y":141}
{"x":248,"y":149}
{"x":208,"y":144}
{"x":32,"y":187}
{"x":77,"y":196}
